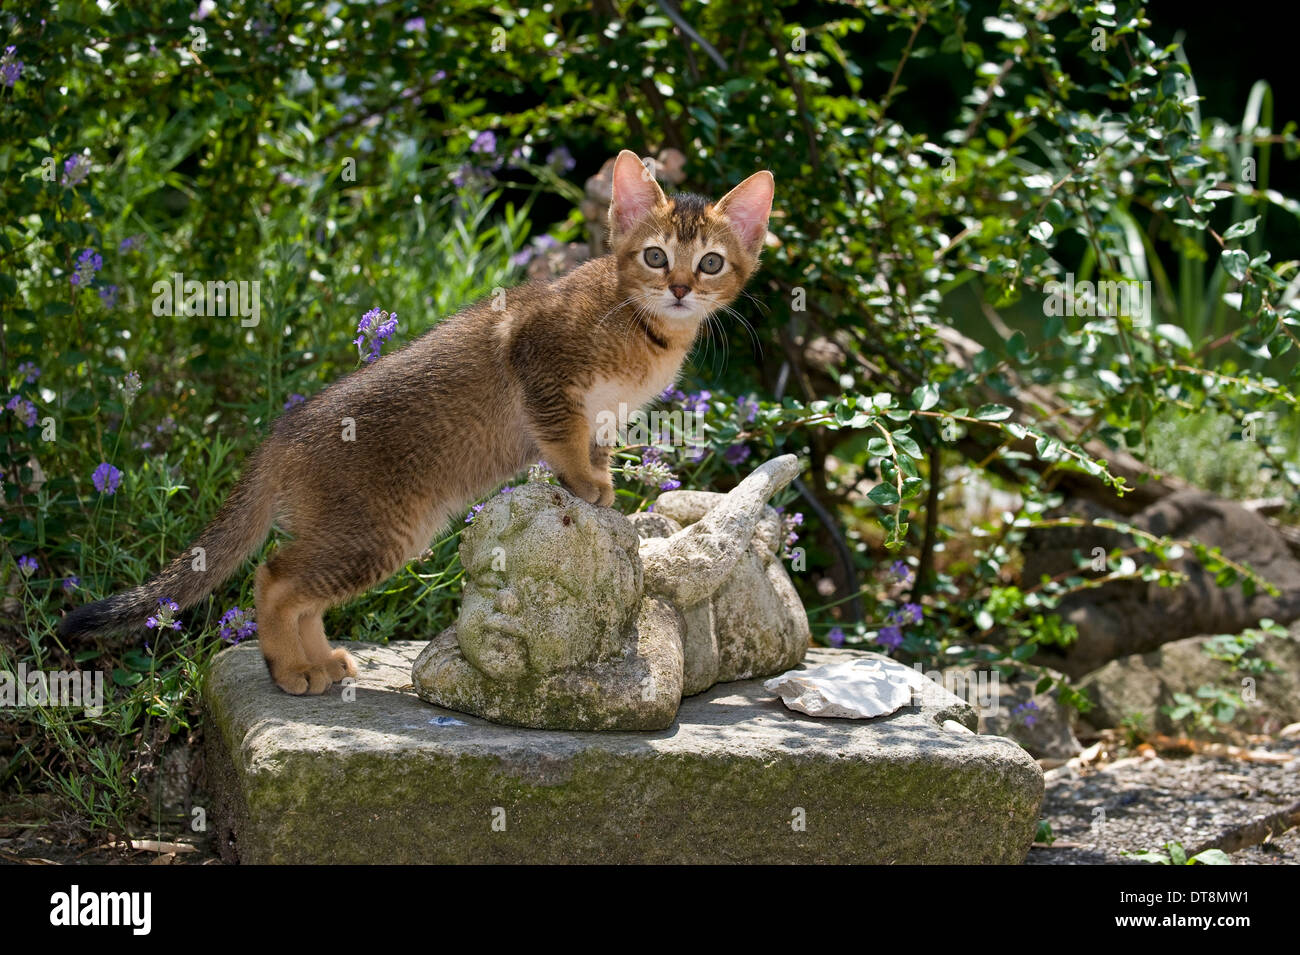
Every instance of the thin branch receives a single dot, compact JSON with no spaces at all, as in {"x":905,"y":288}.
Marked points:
{"x":672,"y":12}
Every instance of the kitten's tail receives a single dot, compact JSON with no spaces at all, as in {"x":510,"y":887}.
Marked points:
{"x":239,"y":528}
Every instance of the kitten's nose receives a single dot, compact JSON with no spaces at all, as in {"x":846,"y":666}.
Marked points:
{"x":679,"y":290}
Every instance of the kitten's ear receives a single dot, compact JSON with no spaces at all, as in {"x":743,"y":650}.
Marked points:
{"x":747,"y":207}
{"x":634,"y":193}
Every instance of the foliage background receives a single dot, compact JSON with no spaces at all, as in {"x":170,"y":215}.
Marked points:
{"x":937,"y":164}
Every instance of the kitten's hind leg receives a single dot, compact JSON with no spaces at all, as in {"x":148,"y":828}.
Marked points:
{"x":334,"y":664}
{"x":290,"y":630}
{"x":277,"y":630}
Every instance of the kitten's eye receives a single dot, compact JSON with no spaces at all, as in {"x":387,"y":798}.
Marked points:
{"x":711,"y":264}
{"x":655,"y":257}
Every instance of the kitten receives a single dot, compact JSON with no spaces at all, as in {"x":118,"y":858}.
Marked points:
{"x":451,"y":415}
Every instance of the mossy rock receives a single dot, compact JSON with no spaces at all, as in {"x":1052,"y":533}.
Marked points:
{"x":372,"y":774}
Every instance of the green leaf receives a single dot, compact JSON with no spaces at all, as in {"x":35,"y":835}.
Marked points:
{"x":1212,"y":857}
{"x":907,"y":446}
{"x":992,"y":413}
{"x":925,"y":397}
{"x":1241,"y":229}
{"x":1174,"y":334}
{"x":137,"y":660}
{"x":1234,"y":262}
{"x":886,"y":495}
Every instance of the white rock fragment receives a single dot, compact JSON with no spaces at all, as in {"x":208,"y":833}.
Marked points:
{"x":858,"y":689}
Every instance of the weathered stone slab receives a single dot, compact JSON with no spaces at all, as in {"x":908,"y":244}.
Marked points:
{"x":384,"y":777}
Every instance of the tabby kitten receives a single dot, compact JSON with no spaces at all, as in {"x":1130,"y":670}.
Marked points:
{"x":465,"y":406}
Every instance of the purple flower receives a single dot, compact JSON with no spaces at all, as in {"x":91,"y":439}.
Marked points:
{"x":88,"y":263}
{"x":414,"y":25}
{"x":24,"y":409}
{"x":375,"y":329}
{"x":166,"y":426}
{"x":295,"y":399}
{"x":561,"y":160}
{"x":164,"y":618}
{"x":236,"y":625}
{"x":108,"y":295}
{"x":653,"y":470}
{"x":473,"y":513}
{"x":736,"y":454}
{"x":890,"y":636}
{"x":130,"y":385}
{"x":900,"y":572}
{"x":106,"y":478}
{"x":699,"y":402}
{"x":71,"y":582}
{"x":789,"y":526}
{"x":75,"y":170}
{"x":485,"y":143}
{"x":908,"y":613}
{"x":29,"y":371}
{"x":27,"y":565}
{"x":130,"y":243}
{"x":1028,"y":712}
{"x":10,"y":68}
{"x":836,"y":637}
{"x":463,"y":175}
{"x":748,"y":408}
{"x":540,"y":244}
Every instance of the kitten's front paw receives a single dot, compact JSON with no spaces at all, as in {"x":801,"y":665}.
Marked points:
{"x":599,"y":492}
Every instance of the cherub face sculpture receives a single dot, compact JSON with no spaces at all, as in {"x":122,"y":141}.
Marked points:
{"x":570,"y":570}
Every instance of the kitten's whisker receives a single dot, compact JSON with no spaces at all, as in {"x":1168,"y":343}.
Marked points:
{"x":722,"y":335}
{"x":758,"y":303}
{"x":601,"y":321}
{"x":758,"y":344}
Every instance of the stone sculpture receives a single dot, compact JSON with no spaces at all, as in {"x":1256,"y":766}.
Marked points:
{"x":576,"y":617}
